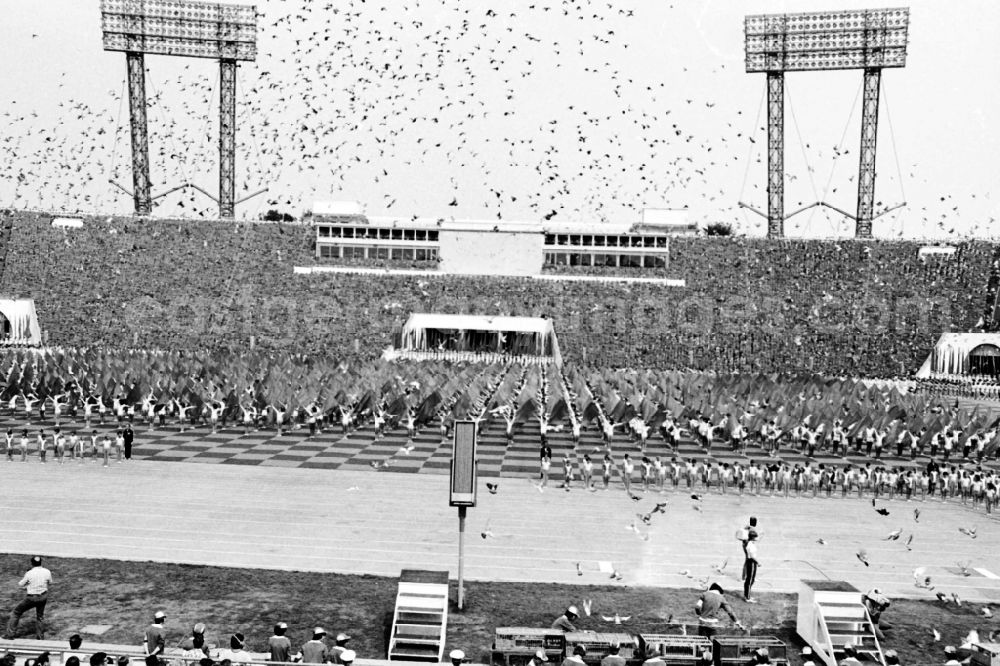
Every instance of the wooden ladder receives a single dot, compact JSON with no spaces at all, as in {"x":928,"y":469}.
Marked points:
{"x":420,"y":621}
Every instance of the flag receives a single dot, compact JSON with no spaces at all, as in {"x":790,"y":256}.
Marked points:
{"x":526,"y":412}
{"x":559,"y":411}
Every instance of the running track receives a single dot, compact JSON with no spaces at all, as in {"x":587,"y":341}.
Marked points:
{"x":377,"y":522}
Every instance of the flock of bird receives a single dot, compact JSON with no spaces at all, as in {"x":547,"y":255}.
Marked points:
{"x":921,"y":578}
{"x":536,"y":109}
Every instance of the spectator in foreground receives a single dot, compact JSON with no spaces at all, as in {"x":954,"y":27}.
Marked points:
{"x":576,"y":659}
{"x":653,"y":657}
{"x":539,"y":658}
{"x":155,"y":639}
{"x":339,"y":648}
{"x":188,"y":642}
{"x":315,"y":651}
{"x":278,"y":645}
{"x":236,"y":654}
{"x":613,"y":658}
{"x":347,"y":657}
{"x":850,"y":656}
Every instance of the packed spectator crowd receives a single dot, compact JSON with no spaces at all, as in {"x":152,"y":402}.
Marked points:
{"x":844,"y":308}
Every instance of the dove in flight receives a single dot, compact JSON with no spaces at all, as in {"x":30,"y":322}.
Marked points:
{"x":616,"y":618}
{"x":863,"y":557}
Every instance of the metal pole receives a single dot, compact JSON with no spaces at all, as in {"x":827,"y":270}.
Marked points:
{"x":227,"y":137}
{"x":866,"y":170}
{"x":140,"y":140}
{"x":775,"y":154}
{"x":461,"y":557}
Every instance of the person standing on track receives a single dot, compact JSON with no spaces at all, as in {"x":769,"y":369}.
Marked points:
{"x":750,"y":568}
{"x":36,"y":582}
{"x":129,"y":437}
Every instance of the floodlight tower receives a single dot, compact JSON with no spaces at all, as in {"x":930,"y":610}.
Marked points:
{"x":181,"y":28}
{"x":869,"y":39}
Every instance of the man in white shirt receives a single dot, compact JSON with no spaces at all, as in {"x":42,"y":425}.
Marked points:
{"x":36,"y":583}
{"x":750,"y":567}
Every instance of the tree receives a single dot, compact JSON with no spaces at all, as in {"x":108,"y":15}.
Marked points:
{"x":718,"y":229}
{"x":274,"y":215}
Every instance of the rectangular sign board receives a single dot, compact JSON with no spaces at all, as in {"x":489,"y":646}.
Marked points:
{"x":463,"y":465}
{"x":180,"y":28}
{"x":852,"y":39}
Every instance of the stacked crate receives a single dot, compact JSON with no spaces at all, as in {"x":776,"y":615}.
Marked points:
{"x":515,"y":646}
{"x":738,"y":650}
{"x":598,"y":646}
{"x":678,"y":650}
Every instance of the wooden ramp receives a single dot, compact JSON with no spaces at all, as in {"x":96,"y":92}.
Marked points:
{"x":830,"y":616}
{"x":421,"y":616}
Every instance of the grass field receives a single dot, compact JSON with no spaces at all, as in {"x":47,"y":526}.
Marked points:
{"x":126,"y":594}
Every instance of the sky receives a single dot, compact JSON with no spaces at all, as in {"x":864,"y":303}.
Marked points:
{"x":581,"y":112}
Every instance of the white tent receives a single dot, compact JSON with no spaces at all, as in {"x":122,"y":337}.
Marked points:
{"x":20,"y":314}
{"x":953,"y":354}
{"x":517,"y":336}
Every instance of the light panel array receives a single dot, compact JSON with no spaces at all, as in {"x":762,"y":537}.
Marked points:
{"x":826,"y":40}
{"x":180,"y":28}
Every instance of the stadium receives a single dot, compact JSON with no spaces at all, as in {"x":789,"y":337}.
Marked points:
{"x":263,"y":419}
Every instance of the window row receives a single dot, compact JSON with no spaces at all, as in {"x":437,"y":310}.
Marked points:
{"x":374,"y":252}
{"x":591,"y":240}
{"x":377,"y":233}
{"x":616,"y":260}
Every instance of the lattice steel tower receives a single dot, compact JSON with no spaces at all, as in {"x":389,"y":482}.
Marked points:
{"x":870,"y":39}
{"x":220,"y":31}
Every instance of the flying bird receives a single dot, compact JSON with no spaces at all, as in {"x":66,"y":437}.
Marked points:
{"x":863,"y":557}
{"x":579,"y":569}
{"x":968,"y":532}
{"x":894,"y":535}
{"x":617,"y":619}
{"x":492,"y":487}
{"x":916,"y":515}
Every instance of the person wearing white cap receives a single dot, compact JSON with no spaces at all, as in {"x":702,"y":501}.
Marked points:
{"x":315,"y":650}
{"x":538,"y":658}
{"x":457,"y":657}
{"x":278,"y":645}
{"x":339,"y":648}
{"x":565,"y":621}
{"x":155,"y":639}
{"x":347,"y":657}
